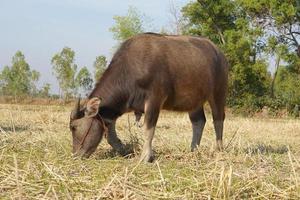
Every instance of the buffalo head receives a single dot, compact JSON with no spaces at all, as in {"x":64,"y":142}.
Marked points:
{"x":87,"y":127}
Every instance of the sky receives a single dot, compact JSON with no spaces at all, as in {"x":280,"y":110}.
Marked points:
{"x":41,"y":28}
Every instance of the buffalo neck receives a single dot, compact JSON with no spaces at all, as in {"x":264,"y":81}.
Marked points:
{"x":113,"y":90}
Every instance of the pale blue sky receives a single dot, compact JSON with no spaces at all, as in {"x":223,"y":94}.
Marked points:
{"x":41,"y":28}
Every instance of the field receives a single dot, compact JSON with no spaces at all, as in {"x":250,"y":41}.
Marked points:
{"x":261,"y":159}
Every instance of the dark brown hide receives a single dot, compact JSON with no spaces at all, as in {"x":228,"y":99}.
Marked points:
{"x":182,"y":71}
{"x":151,"y":72}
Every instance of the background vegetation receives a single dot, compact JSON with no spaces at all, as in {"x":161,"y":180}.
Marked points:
{"x":259,"y":37}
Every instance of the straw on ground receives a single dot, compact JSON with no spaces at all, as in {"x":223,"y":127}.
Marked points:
{"x":261,"y":159}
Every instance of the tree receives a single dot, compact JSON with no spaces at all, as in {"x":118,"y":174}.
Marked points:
{"x":227,"y":25}
{"x":84,"y":80}
{"x":128,"y":25}
{"x":65,"y":69}
{"x":274,"y":48}
{"x":100,"y":65}
{"x":287,"y":88}
{"x":176,"y":20}
{"x":19,"y":79}
{"x":45,"y":90}
{"x":280,"y":20}
{"x":210,"y":18}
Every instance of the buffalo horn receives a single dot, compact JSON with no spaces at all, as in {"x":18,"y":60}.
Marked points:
{"x":76,"y":110}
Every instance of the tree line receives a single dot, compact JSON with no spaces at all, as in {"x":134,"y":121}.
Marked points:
{"x":259,"y":37}
{"x":19,"y":80}
{"x":254,"y":34}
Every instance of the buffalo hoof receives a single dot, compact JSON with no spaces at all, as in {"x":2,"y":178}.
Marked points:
{"x":219,"y":145}
{"x":126,"y":150}
{"x":194,"y":148}
{"x":147,"y":157}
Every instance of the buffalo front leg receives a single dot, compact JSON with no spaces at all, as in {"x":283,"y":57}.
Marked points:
{"x":151,"y":116}
{"x":198,"y":121}
{"x":113,"y":139}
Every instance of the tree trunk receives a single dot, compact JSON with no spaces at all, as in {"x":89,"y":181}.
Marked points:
{"x":275,"y":75}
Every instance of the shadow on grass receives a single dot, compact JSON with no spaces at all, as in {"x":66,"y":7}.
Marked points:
{"x":15,"y":128}
{"x":266,"y":149}
{"x":130,"y":150}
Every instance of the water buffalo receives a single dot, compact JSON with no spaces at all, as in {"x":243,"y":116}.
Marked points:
{"x":150,"y":72}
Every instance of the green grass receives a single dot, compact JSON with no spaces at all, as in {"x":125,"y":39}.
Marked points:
{"x":261,"y":160}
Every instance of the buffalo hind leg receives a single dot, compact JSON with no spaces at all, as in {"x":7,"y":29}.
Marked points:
{"x":151,"y":115}
{"x":198,"y":122}
{"x":113,"y":139}
{"x":218,"y":114}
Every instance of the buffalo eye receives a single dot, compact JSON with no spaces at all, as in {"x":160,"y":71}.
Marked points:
{"x":72,"y":127}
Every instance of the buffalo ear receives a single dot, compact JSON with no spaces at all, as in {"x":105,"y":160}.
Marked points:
{"x":92,"y":106}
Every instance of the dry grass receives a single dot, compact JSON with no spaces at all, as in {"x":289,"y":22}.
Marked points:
{"x":262,"y":160}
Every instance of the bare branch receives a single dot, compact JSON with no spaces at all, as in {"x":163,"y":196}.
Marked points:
{"x":286,"y":37}
{"x":291,"y":33}
{"x":175,"y":21}
{"x":297,"y":33}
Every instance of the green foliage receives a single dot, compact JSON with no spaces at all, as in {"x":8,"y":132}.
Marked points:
{"x":225,"y":23}
{"x":19,"y":79}
{"x":100,"y":65}
{"x":65,"y":71}
{"x":210,"y":18}
{"x":45,"y":91}
{"x":280,"y":18}
{"x":128,"y":25}
{"x":84,"y":80}
{"x":287,"y":87}
{"x":293,"y":61}
{"x":250,"y":32}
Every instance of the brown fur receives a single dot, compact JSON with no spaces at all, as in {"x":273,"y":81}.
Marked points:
{"x":184,"y":71}
{"x":177,"y":73}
